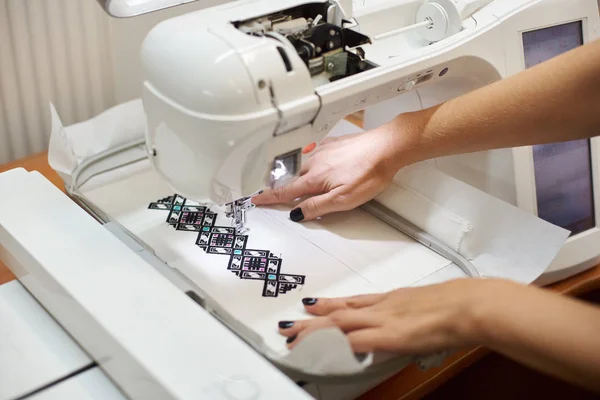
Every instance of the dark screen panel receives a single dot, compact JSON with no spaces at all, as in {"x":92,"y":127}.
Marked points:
{"x":563,"y":171}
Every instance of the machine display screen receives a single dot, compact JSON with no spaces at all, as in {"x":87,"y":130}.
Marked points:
{"x":563,"y":171}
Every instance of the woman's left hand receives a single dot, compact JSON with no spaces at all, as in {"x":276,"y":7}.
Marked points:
{"x":409,"y":320}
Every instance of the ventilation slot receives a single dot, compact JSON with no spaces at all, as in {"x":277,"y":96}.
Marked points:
{"x":424,"y":79}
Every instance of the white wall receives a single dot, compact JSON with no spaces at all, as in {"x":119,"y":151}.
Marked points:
{"x":127,"y":36}
{"x":70,"y":53}
{"x":50,"y":50}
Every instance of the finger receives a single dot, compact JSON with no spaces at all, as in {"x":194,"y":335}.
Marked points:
{"x":345,"y":320}
{"x":368,"y":340}
{"x":329,"y":139}
{"x":338,"y":317}
{"x":320,"y":205}
{"x":308,"y":148}
{"x":326,"y":306}
{"x":332,"y":139}
{"x":300,"y":187}
{"x":313,"y":325}
{"x":293,"y":328}
{"x":329,"y":144}
{"x":305,"y":166}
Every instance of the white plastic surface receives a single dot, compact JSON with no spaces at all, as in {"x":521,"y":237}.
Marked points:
{"x":214,"y":110}
{"x":446,"y":16}
{"x":89,"y":385}
{"x":441,"y":27}
{"x":147,"y":335}
{"x":216,"y":96}
{"x":131,"y":8}
{"x":581,"y":251}
{"x":341,"y":255}
{"x":479,"y":45}
{"x":508,"y":174}
{"x":34,"y":349}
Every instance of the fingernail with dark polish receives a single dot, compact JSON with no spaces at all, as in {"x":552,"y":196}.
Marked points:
{"x":286,"y":324}
{"x":291,"y":339}
{"x":309,"y":301}
{"x":296,"y":215}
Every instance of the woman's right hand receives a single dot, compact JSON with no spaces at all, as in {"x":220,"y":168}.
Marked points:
{"x":345,"y":172}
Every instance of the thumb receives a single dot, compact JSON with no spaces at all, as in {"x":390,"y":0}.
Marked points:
{"x":318,"y":206}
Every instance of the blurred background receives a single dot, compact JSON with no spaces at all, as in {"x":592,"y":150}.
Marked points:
{"x":70,"y":53}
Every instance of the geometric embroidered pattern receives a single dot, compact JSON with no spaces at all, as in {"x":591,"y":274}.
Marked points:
{"x":262,"y":265}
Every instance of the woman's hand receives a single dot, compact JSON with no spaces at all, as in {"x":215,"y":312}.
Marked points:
{"x":343,"y":173}
{"x":554,"y":334}
{"x":407,"y":321}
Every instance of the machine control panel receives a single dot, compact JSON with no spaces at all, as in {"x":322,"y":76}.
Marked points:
{"x":563,"y":171}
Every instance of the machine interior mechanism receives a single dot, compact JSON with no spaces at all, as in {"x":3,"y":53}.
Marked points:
{"x":329,"y":49}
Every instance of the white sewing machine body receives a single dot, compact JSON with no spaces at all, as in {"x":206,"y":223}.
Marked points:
{"x":564,"y":190}
{"x":255,"y":101}
{"x":148,"y":300}
{"x":233,"y":77}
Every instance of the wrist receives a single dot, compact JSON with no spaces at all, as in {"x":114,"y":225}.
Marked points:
{"x":492,"y":306}
{"x":403,"y":139}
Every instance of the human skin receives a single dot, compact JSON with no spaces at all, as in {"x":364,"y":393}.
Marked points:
{"x":555,"y":101}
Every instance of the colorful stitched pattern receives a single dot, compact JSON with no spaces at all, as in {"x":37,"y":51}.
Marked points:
{"x":185,"y":215}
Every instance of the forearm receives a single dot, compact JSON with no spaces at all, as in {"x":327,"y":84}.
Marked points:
{"x":552,"y":102}
{"x":553,"y":334}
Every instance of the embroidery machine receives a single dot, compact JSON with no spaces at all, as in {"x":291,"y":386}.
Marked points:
{"x":162,"y":298}
{"x":296,"y":78}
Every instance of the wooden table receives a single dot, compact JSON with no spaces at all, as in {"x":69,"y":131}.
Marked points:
{"x":410,"y":383}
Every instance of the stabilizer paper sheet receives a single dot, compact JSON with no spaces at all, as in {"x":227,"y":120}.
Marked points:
{"x":343,"y":254}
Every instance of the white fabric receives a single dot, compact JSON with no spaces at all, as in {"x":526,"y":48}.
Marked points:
{"x":348,"y":254}
{"x":345,"y":254}
{"x":70,"y":146}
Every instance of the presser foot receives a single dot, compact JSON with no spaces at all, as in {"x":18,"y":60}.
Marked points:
{"x":237,"y":210}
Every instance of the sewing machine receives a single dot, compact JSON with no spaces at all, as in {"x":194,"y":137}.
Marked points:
{"x":299,"y":77}
{"x":162,"y":284}
{"x":557,"y":182}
